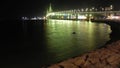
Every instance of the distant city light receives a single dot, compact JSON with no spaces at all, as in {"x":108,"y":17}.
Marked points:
{"x":93,"y":8}
{"x":90,"y":9}
{"x":82,"y":10}
{"x":86,"y":9}
{"x":113,"y":17}
{"x":25,"y":18}
{"x":34,"y":18}
{"x":82,"y":17}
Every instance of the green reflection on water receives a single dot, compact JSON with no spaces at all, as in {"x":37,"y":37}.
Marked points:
{"x":62,"y":43}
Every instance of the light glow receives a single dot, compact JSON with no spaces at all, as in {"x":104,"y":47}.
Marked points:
{"x":82,"y":17}
{"x":50,"y":14}
{"x":113,"y":17}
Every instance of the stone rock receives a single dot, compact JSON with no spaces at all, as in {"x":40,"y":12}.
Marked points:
{"x":67,"y":65}
{"x":54,"y":66}
{"x":87,"y":65}
{"x":114,"y":59}
{"x":80,"y":60}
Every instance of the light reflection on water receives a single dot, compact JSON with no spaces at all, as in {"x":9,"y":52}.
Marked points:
{"x":62,"y":43}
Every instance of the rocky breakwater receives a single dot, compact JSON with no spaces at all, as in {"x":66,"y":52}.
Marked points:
{"x":107,"y":57}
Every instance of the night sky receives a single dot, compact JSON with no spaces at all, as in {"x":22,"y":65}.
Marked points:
{"x":17,"y":8}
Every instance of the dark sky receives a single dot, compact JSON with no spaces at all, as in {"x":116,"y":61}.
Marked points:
{"x":18,"y":8}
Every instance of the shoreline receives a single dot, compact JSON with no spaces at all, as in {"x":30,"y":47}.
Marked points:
{"x":106,"y":57}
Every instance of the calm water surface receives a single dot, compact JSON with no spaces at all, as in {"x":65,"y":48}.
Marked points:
{"x":33,"y":44}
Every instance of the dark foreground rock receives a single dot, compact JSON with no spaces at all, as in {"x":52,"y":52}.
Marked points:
{"x":108,"y":57}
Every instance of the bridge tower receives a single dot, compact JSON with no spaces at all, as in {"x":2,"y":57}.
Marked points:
{"x":49,"y":9}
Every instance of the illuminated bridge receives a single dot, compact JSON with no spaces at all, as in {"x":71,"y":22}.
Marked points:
{"x":87,"y":14}
{"x":77,"y":14}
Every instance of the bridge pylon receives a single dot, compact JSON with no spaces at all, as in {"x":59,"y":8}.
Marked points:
{"x":49,"y":10}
